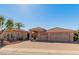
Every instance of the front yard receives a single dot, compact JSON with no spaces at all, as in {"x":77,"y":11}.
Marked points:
{"x":28,"y":47}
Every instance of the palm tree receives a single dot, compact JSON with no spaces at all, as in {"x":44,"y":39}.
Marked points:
{"x":19,"y":25}
{"x":9,"y":24}
{"x":2,"y":19}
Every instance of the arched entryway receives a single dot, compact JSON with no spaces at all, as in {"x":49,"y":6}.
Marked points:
{"x":34,"y":35}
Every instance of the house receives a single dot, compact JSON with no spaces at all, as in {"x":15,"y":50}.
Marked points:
{"x":60,"y":34}
{"x":15,"y":34}
{"x":35,"y":33}
{"x":38,"y":33}
{"x":54,"y":34}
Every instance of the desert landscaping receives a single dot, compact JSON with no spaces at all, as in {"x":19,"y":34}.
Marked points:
{"x":40,"y":48}
{"x":38,"y":40}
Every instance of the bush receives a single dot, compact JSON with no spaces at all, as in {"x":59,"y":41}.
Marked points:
{"x":76,"y":37}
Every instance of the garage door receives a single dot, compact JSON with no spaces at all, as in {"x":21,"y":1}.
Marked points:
{"x":59,"y":36}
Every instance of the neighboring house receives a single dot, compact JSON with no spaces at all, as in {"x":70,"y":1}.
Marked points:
{"x":15,"y":34}
{"x":35,"y":33}
{"x":54,"y":34}
{"x":60,"y":34}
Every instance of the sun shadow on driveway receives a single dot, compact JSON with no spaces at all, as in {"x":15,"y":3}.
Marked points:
{"x":10,"y":43}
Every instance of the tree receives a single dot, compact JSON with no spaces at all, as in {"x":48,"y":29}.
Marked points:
{"x":2,"y":37}
{"x":9,"y":24}
{"x":19,"y":25}
{"x":2,"y":19}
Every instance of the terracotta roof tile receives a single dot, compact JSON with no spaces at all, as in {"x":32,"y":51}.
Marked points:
{"x":38,"y":29}
{"x":16,"y":30}
{"x":58,"y":29}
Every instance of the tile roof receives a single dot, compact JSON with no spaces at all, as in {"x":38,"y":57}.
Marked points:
{"x":58,"y":29}
{"x":16,"y":30}
{"x":38,"y":29}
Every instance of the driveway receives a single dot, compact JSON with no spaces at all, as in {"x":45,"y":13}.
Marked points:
{"x":34,"y":48}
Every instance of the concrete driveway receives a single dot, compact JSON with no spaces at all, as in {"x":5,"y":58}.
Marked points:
{"x":42,"y":48}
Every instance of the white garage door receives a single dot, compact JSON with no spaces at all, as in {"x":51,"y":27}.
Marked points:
{"x":60,"y":36}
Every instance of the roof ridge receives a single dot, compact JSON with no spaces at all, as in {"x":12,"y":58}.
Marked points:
{"x":59,"y":29}
{"x":38,"y":29}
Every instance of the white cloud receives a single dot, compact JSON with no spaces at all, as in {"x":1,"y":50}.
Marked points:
{"x":27,"y":7}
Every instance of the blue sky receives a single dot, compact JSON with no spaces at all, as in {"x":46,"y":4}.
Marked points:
{"x":43,"y":15}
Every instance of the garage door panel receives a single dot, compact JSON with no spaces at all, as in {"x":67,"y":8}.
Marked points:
{"x":59,"y":36}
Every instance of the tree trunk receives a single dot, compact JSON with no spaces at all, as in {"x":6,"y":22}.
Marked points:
{"x":2,"y":42}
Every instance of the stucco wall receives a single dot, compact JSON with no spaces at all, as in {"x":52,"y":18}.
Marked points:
{"x":15,"y":35}
{"x":54,"y":36}
{"x":43,"y":36}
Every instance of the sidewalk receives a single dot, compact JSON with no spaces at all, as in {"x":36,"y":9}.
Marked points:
{"x":19,"y":51}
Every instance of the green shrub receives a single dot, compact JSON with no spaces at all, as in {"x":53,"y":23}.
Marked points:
{"x":76,"y":36}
